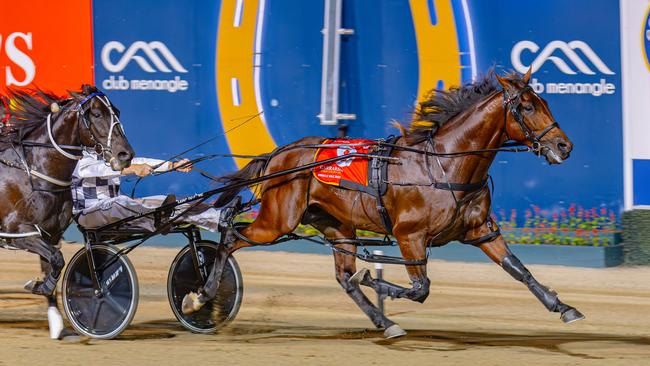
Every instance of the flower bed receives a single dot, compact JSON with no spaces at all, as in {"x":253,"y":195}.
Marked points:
{"x":575,"y":226}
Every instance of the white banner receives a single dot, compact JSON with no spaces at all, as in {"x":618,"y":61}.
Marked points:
{"x":635,"y":41}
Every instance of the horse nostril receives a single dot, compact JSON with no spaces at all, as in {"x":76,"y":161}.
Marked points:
{"x":564,"y":147}
{"x":124,"y":156}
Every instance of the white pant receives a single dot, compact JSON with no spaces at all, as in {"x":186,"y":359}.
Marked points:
{"x":117,"y":208}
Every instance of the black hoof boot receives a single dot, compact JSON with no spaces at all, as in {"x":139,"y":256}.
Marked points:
{"x":571,"y":315}
{"x":43,"y":288}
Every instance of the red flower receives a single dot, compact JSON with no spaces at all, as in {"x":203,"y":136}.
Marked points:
{"x":603,"y":211}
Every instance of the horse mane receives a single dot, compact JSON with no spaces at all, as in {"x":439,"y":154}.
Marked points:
{"x":440,"y":106}
{"x":29,"y":108}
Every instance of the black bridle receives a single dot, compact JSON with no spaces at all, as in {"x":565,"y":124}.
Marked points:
{"x":82,"y":109}
{"x":512,"y":104}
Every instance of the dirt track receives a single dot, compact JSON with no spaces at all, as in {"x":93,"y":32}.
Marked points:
{"x":294,"y":312}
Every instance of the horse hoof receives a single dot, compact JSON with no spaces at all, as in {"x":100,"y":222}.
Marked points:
{"x":394,"y":331}
{"x":191,"y":303}
{"x":70,"y":336}
{"x":571,"y":316}
{"x":358,"y":277}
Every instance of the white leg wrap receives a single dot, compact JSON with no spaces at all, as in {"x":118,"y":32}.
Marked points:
{"x":55,"y":321}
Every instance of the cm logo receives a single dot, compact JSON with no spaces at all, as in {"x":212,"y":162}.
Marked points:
{"x":558,"y":53}
{"x":150,"y":50}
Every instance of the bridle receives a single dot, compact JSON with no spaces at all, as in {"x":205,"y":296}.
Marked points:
{"x":82,"y":107}
{"x":512,"y":104}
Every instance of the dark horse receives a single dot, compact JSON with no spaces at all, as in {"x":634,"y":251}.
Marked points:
{"x":428,"y":199}
{"x":42,"y":137}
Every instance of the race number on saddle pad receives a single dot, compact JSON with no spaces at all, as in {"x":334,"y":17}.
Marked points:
{"x":347,"y":173}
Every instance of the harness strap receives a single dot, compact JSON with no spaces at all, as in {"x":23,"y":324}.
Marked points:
{"x":21,"y":235}
{"x":58,"y":182}
{"x":482,"y":239}
{"x":31,"y":172}
{"x":378,"y":168}
{"x":42,"y":144}
{"x":56,"y":146}
{"x":463,"y":187}
{"x":485,"y":238}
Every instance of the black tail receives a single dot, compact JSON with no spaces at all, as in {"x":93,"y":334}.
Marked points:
{"x":250,"y":171}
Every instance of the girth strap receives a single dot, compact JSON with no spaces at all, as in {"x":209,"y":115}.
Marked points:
{"x":378,"y":177}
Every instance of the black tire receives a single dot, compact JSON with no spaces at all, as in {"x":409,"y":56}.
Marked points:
{"x":183,"y":278}
{"x":105,"y":316}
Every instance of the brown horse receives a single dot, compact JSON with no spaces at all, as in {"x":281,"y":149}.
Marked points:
{"x":428,"y":199}
{"x":41,"y":138}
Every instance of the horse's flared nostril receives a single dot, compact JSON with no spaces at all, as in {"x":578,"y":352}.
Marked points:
{"x":124,"y":156}
{"x":564,"y":147}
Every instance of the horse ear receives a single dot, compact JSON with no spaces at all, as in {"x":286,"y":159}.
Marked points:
{"x":505,"y":83}
{"x":75,"y":95}
{"x":86,"y":89}
{"x":526,"y":77}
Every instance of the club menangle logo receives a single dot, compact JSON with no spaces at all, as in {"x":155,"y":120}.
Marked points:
{"x":151,"y":57}
{"x":565,"y":48}
{"x":564,"y":57}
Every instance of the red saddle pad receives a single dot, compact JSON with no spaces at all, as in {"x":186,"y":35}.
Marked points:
{"x":348,"y":173}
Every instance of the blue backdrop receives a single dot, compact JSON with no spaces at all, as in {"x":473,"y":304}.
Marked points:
{"x":380,"y":76}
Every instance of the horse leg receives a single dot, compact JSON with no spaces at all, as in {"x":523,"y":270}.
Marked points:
{"x":499,"y":252}
{"x":52,"y":263}
{"x":53,"y":258}
{"x":412,"y":249}
{"x":280,"y":213}
{"x":345,"y":267}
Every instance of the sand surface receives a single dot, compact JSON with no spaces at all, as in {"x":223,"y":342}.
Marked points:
{"x":295,"y":313}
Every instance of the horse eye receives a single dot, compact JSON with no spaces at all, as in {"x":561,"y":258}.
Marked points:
{"x":96,"y":114}
{"x":528,"y":108}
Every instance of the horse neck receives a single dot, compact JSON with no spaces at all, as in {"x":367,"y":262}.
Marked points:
{"x":49,"y":160}
{"x":480,"y":127}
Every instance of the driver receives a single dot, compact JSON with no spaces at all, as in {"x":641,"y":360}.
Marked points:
{"x":97,"y":200}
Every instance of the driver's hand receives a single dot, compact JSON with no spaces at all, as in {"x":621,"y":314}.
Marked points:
{"x":141,"y":170}
{"x":182,"y":165}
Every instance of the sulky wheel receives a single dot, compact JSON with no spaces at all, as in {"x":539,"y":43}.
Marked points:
{"x":183,"y":278}
{"x":100,"y":314}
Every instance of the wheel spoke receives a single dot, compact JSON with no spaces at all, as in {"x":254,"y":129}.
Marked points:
{"x":82,"y":292}
{"x":114,"y":304}
{"x":98,"y":308}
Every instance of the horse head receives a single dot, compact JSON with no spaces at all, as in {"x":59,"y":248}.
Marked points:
{"x":528,"y":120}
{"x":99,"y":127}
